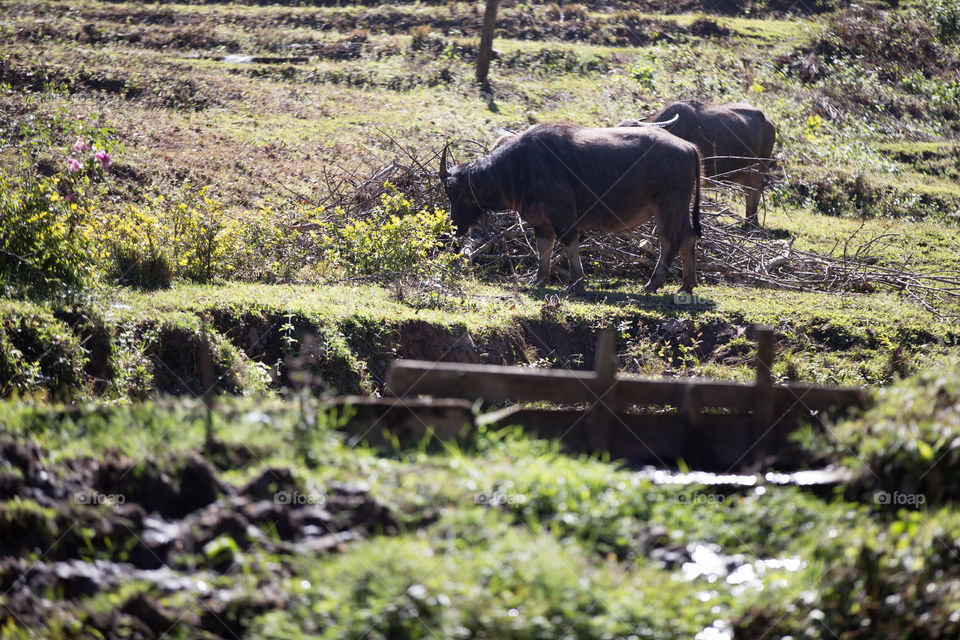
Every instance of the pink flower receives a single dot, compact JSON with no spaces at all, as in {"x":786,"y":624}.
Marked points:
{"x":80,"y":146}
{"x":103,"y":157}
{"x":69,"y":198}
{"x":73,"y":164}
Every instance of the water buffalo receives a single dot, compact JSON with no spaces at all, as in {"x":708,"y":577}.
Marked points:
{"x":563,"y":178}
{"x":509,"y":135}
{"x":736,"y":141}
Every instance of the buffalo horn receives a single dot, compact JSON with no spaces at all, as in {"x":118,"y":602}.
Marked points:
{"x":665,"y":123}
{"x":443,"y":162}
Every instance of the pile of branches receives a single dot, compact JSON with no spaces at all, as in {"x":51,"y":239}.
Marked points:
{"x":728,"y":252}
{"x":356,"y":191}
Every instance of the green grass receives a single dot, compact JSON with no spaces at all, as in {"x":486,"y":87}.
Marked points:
{"x":572,"y":549}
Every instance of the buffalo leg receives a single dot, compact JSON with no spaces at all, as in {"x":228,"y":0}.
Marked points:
{"x":545,"y":239}
{"x":688,"y":256}
{"x":571,"y":246}
{"x":752,"y":189}
{"x":668,"y":251}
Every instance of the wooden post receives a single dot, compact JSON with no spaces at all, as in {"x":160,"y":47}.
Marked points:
{"x":486,"y":41}
{"x":602,"y":413}
{"x":765,"y":399}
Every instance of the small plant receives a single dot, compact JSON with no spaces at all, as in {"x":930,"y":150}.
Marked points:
{"x":419,"y":34}
{"x":643,"y":75}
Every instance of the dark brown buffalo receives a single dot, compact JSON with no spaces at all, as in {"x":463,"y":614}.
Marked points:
{"x":562,"y":179}
{"x":735,"y":140}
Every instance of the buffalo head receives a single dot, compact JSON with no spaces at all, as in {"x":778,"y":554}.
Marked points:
{"x":464,"y":208}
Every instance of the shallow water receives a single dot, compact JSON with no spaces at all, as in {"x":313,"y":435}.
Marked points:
{"x":810,"y":478}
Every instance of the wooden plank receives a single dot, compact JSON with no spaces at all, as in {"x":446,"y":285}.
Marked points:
{"x":492,"y":382}
{"x":519,"y":384}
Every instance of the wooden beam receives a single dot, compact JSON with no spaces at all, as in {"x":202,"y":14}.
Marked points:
{"x":407,"y":420}
{"x":498,"y":383}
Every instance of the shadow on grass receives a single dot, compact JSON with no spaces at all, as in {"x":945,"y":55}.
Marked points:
{"x":672,"y":301}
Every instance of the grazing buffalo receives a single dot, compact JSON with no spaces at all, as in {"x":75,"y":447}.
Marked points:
{"x":736,"y":141}
{"x":562,"y":179}
{"x":509,"y":135}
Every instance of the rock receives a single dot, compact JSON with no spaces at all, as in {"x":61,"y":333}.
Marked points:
{"x":199,"y":485}
{"x":196,"y":485}
{"x":269,"y":516}
{"x":270,"y":482}
{"x":146,"y":609}
{"x":143,"y":484}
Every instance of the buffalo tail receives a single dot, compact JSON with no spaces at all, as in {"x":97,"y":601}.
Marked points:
{"x":696,"y":202}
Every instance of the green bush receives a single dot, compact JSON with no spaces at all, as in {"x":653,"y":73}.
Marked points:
{"x":393,"y":242}
{"x":44,"y":242}
{"x":909,"y":442}
{"x":946,"y":18}
{"x":192,"y":235}
{"x":133,"y":267}
{"x":39,"y":354}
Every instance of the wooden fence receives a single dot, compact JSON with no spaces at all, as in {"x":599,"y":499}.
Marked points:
{"x":706,"y":423}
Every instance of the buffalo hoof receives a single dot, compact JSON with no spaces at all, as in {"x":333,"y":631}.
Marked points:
{"x":651,"y":288}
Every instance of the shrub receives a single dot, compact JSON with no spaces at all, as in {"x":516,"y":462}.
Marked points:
{"x":38,"y":353}
{"x":44,"y":243}
{"x":201,"y":236}
{"x":909,"y":442}
{"x":47,"y":243}
{"x":892,"y":41}
{"x":393,"y":242}
{"x":149,"y":243}
{"x":146,"y":270}
{"x":643,"y":75}
{"x":193,"y":236}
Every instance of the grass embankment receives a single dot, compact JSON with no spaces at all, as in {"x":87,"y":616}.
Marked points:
{"x":124,"y":344}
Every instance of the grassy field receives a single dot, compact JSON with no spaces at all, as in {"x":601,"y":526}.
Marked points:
{"x":245,"y":141}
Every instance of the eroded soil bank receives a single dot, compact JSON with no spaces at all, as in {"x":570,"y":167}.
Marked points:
{"x":115,"y":350}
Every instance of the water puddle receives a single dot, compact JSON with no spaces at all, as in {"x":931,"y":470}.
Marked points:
{"x":813,"y":478}
{"x":708,"y":564}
